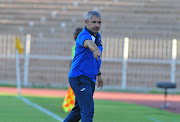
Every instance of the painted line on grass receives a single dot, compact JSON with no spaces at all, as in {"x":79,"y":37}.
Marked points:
{"x":41,"y":108}
{"x":154,"y":119}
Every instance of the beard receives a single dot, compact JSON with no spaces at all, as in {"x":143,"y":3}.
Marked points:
{"x":95,"y":30}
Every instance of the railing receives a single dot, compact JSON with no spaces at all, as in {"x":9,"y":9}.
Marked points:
{"x":127,"y":63}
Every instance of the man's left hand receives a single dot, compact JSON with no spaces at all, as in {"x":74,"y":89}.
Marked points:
{"x":99,"y":81}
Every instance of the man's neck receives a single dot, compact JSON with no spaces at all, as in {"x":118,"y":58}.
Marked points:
{"x":94,"y":34}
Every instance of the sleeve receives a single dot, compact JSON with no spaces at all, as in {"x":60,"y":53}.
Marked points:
{"x":81,"y":38}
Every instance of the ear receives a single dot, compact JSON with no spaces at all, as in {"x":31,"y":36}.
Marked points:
{"x":86,"y":21}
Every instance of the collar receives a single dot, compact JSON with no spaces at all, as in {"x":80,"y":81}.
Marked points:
{"x":89,"y":31}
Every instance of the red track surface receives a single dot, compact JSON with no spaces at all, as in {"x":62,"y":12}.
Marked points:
{"x":152,"y":100}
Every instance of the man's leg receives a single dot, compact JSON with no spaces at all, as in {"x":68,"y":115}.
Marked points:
{"x":83,"y":89}
{"x":85,"y":98}
{"x":74,"y":115}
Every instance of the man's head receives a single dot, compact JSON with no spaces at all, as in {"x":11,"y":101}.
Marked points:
{"x":93,"y":21}
{"x":76,"y":32}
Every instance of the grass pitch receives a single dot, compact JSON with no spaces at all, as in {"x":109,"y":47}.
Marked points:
{"x":13,"y":109}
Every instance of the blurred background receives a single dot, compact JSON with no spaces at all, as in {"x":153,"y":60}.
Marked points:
{"x":140,"y":39}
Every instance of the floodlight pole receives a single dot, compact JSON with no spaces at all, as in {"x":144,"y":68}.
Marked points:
{"x":125,"y":58}
{"x":173,"y":60}
{"x":26,"y":59}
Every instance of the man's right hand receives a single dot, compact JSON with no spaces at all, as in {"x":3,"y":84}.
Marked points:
{"x":96,"y":54}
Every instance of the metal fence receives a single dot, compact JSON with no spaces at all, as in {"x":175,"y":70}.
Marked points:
{"x":136,"y":63}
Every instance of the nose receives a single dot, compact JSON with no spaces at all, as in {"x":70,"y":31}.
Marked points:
{"x":98,"y":24}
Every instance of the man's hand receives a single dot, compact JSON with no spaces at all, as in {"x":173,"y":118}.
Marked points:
{"x":96,"y":54}
{"x":99,"y":81}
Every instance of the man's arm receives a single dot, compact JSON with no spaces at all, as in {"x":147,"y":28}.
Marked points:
{"x":92,"y":46}
{"x":97,"y":53}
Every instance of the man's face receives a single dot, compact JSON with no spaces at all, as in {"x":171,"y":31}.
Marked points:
{"x":94,"y":24}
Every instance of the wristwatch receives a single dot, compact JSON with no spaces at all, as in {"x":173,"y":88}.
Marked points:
{"x":99,"y":73}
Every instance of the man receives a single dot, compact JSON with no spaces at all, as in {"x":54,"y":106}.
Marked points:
{"x":85,"y":69}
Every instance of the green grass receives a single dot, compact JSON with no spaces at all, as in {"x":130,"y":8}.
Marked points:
{"x":34,"y":86}
{"x":14,"y":110}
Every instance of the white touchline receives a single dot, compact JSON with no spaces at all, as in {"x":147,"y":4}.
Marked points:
{"x":155,"y":120}
{"x":41,"y":109}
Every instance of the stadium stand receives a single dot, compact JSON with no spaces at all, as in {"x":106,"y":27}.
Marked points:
{"x":53,"y":21}
{"x":52,"y":18}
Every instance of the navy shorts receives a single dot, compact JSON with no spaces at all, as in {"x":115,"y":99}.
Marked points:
{"x":83,"y":88}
